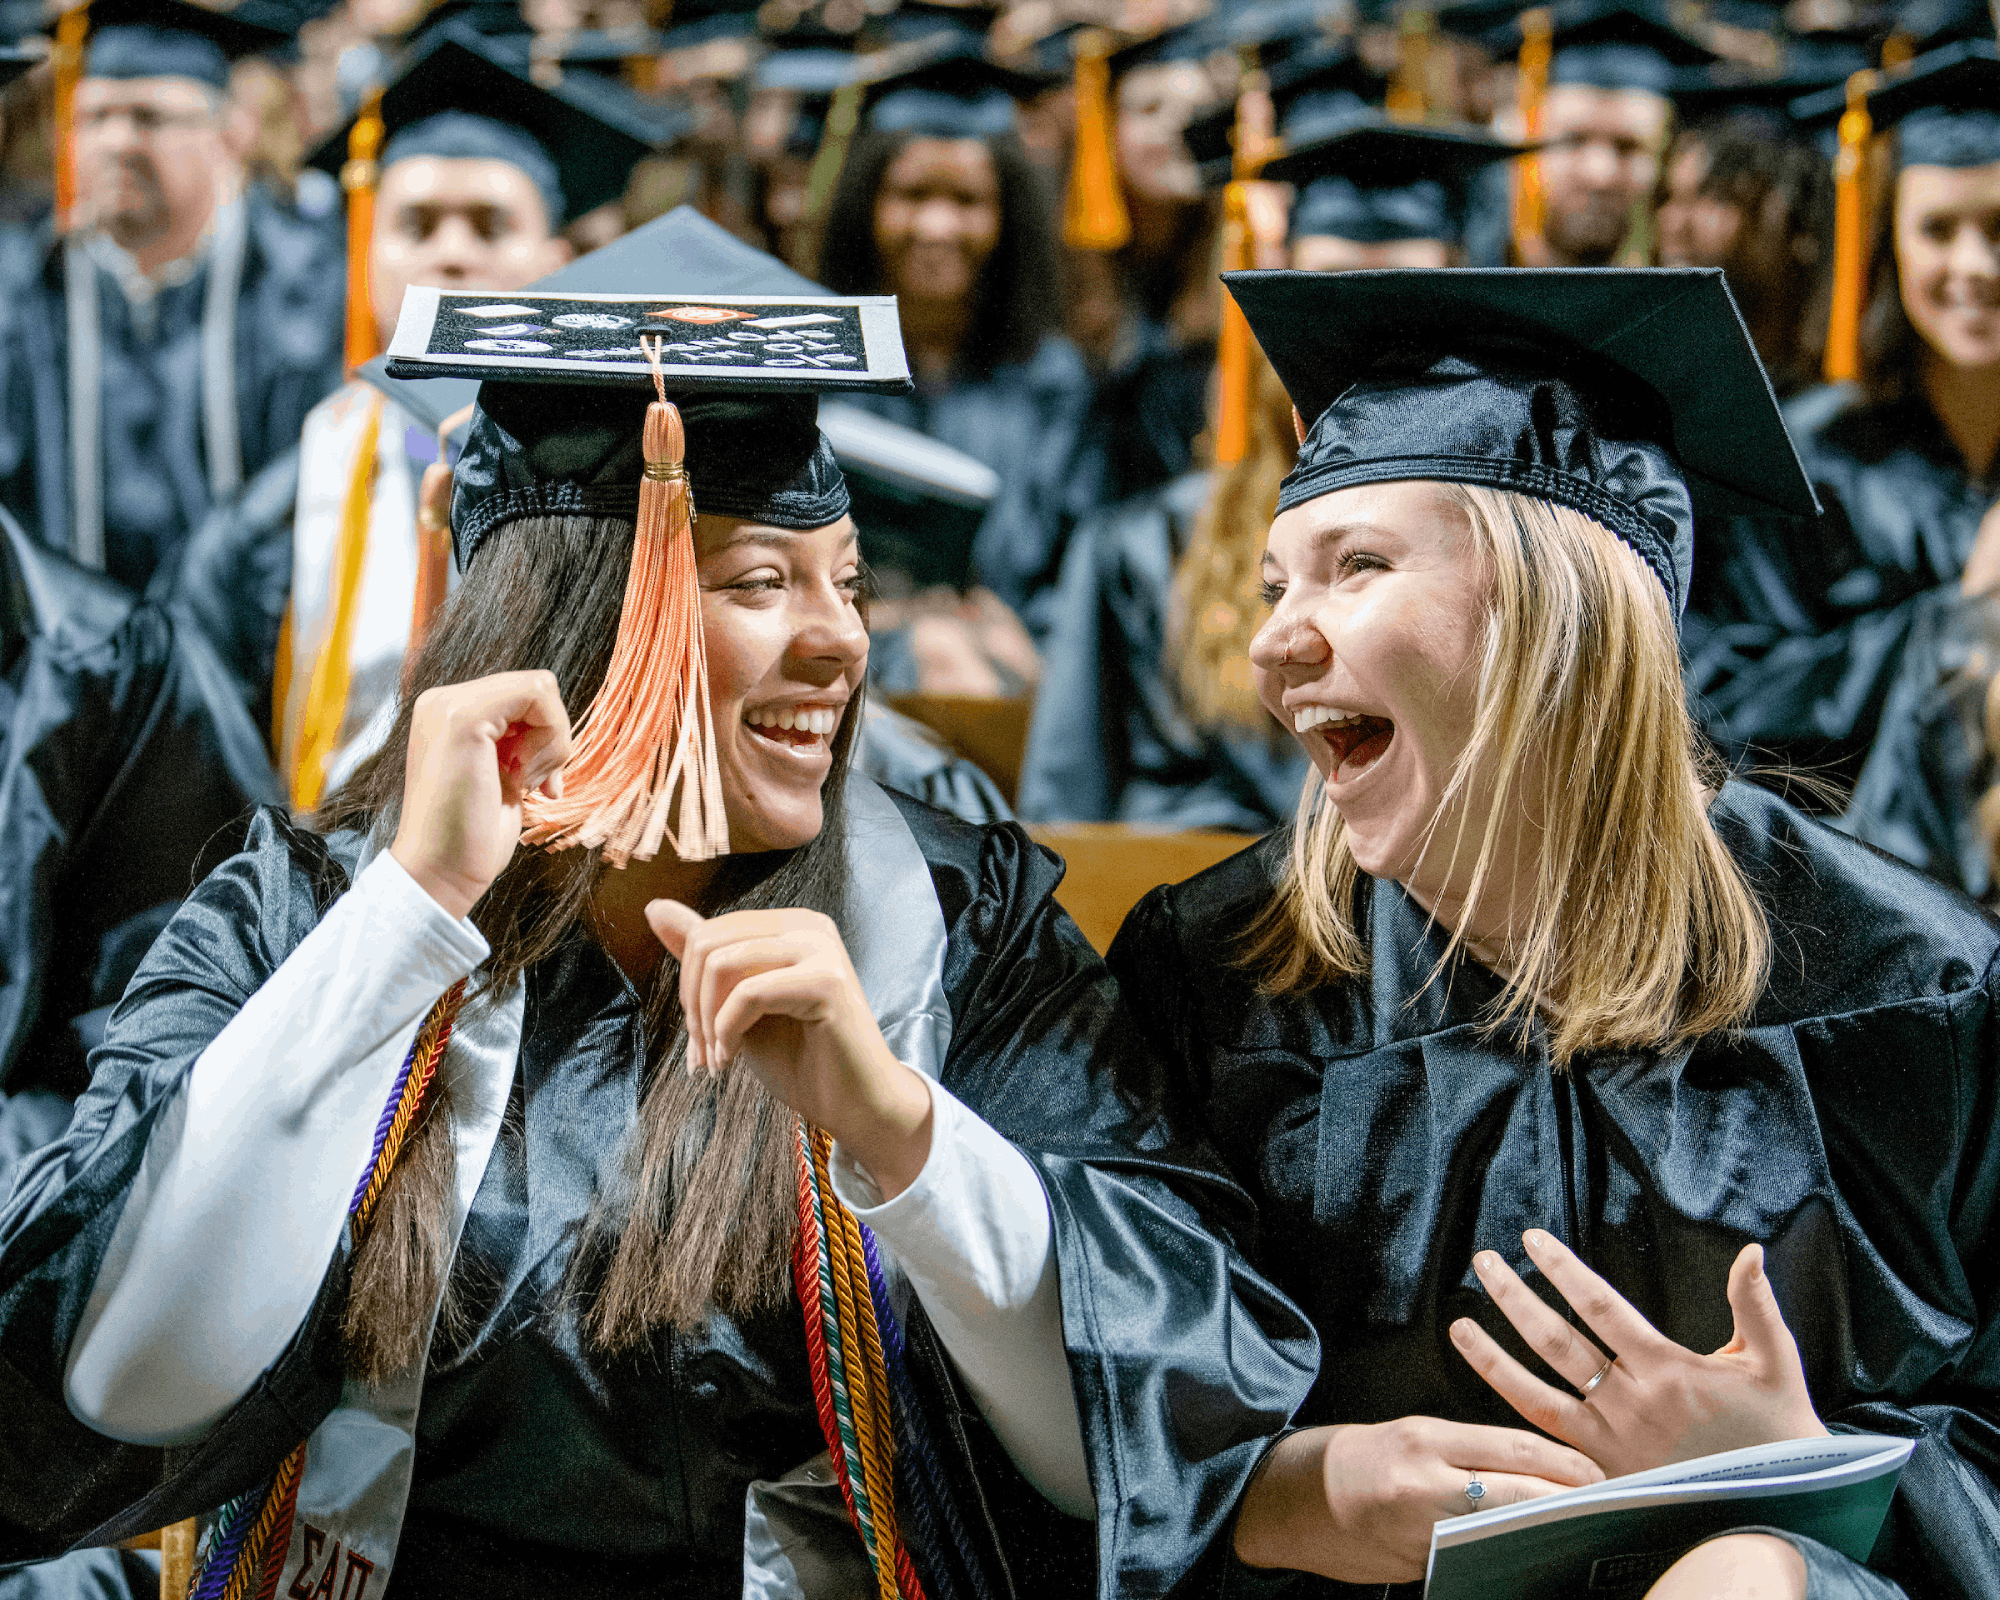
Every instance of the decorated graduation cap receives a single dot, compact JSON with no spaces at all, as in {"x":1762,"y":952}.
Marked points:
{"x":173,"y":39}
{"x":1633,"y":396}
{"x":598,"y":399}
{"x":1378,"y":181}
{"x":1616,"y":44}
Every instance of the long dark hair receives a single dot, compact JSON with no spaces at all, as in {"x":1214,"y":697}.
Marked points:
{"x":1016,"y":301}
{"x":704,"y":1218}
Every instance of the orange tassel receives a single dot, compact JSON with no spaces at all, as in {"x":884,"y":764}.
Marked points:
{"x":1850,"y":234}
{"x":67,"y":62}
{"x":358,"y":177}
{"x":1094,"y":214}
{"x":650,"y":732}
{"x":1408,"y":99}
{"x":1253,"y":233}
{"x":1532,"y":79}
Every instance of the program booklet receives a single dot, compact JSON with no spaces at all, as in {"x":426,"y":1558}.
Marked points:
{"x":1614,"y":1539}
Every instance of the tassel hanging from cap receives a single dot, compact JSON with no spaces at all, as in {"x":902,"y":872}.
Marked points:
{"x":649,"y":735}
{"x":66,"y":60}
{"x":358,"y":177}
{"x":1408,"y":99}
{"x":1532,"y":81}
{"x":1850,"y":234}
{"x":1251,"y":211}
{"x":1094,"y":214}
{"x":842,"y":118}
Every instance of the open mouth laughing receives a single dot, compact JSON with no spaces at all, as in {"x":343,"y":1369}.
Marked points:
{"x":804,"y":730}
{"x":1355,"y":740}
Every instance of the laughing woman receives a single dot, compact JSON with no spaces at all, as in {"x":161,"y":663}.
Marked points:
{"x":459,"y":1217}
{"x":1531,"y":1006}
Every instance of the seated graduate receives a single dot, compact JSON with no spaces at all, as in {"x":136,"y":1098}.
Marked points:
{"x":474,"y":1099}
{"x":1531,"y":1007}
{"x":1806,"y":625}
{"x":1147,"y":712}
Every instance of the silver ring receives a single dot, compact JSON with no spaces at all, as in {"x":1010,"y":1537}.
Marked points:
{"x":1475,"y":1491}
{"x":1599,"y":1375}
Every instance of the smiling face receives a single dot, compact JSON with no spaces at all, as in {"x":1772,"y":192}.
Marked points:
{"x":787,"y":650}
{"x":1948,"y":259}
{"x":937,"y":218}
{"x":1371,"y":657}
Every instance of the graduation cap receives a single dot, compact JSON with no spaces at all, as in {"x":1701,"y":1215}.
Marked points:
{"x":1618,"y":44}
{"x":1315,"y":92}
{"x":1195,"y":42}
{"x":1945,"y":106}
{"x":917,"y":503}
{"x":946,"y":89}
{"x":1633,"y":396}
{"x":16,"y":59}
{"x":645,"y":406}
{"x":1378,"y":181}
{"x":173,"y":39}
{"x":1804,"y":67}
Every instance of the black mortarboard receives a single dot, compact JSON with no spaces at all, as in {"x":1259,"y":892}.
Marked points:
{"x":565,"y":383}
{"x":917,"y":503}
{"x":1633,"y":396}
{"x":1315,"y":92}
{"x":1805,"y":67}
{"x":1380,"y":180}
{"x":172,"y":39}
{"x":946,"y":89}
{"x":1195,"y":41}
{"x":1618,"y":44}
{"x":16,"y":59}
{"x":456,"y":98}
{"x":1945,"y":107}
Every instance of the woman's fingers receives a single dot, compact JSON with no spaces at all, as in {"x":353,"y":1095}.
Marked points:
{"x":1761,"y":1331}
{"x":1606,"y":1312}
{"x":1541,"y":1405}
{"x":1478,"y":1448}
{"x":1569,"y":1354}
{"x":799,"y":993}
{"x":725,"y":968}
{"x":1502,"y":1489}
{"x":672,"y":924}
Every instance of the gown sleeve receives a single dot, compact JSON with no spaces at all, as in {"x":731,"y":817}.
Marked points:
{"x":61,"y":1482}
{"x":1185,"y":1363}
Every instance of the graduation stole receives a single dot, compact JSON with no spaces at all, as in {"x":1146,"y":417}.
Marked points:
{"x":244,"y":1551}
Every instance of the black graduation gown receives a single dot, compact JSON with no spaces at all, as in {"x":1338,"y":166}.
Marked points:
{"x":1021,"y":419}
{"x":1796,"y":631}
{"x":122,"y":752}
{"x":540,"y":1468}
{"x":1109,"y":741}
{"x":156,"y":490}
{"x":1853,"y":1128}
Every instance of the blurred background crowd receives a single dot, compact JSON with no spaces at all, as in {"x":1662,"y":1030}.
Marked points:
{"x":223,"y":524}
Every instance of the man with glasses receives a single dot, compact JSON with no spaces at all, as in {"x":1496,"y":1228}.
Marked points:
{"x":166,"y":347}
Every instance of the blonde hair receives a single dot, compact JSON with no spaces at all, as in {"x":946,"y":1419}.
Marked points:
{"x":1641,"y":931}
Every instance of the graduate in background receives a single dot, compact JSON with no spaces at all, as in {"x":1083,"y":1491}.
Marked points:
{"x":1808,"y":624}
{"x":938,"y":205}
{"x":164,"y":351}
{"x":1147,"y":712}
{"x":1532,"y":1011}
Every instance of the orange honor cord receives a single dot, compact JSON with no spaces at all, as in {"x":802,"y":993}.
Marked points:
{"x":358,"y":177}
{"x":650,"y":732}
{"x":1532,"y":82}
{"x":1094,"y":214}
{"x":1850,"y":234}
{"x":67,"y":61}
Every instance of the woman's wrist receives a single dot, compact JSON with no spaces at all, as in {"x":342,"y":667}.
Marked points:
{"x":888,"y":1134}
{"x":1287,"y":1491}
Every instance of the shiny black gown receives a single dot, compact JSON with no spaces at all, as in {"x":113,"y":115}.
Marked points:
{"x":156,"y":489}
{"x":1853,"y":1127}
{"x":544,"y":1468}
{"x":1795,"y":632}
{"x":1109,"y":741}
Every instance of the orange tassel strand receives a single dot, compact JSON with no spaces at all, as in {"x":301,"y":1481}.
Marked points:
{"x":1094,"y":214}
{"x":650,"y":732}
{"x":1532,"y":79}
{"x":358,"y":177}
{"x":67,"y":62}
{"x":1850,"y":234}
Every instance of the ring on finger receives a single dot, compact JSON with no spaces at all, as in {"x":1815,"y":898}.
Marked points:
{"x":1475,"y":1491}
{"x":1598,"y":1376}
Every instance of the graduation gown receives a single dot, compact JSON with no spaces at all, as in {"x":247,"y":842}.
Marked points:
{"x":1108,"y":741}
{"x":159,"y":458}
{"x":1021,"y":419}
{"x":1183,"y":1363}
{"x":1852,"y":1127}
{"x":122,"y":752}
{"x":1795,"y":632}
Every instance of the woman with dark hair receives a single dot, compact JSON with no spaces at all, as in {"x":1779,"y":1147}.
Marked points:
{"x":1600,"y":1112}
{"x":939,"y":205}
{"x":1906,"y":461}
{"x":459,"y":1171}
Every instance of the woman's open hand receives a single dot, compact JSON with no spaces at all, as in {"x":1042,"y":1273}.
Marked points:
{"x":477,"y":750}
{"x":775,"y":992}
{"x":1659,"y":1401}
{"x":1357,"y":1502}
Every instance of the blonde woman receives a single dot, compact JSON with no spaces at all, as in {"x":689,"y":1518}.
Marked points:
{"x":1600,"y":1113}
